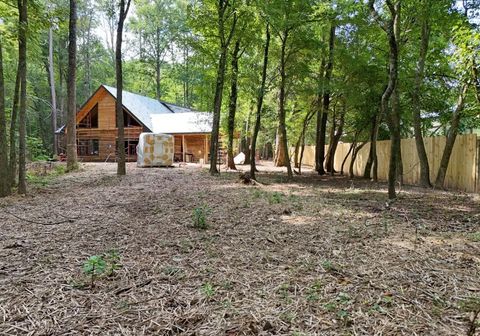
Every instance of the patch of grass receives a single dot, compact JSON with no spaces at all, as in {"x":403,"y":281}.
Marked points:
{"x":313,"y":292}
{"x":275,"y":197}
{"x":171,"y":271}
{"x":207,"y":290}
{"x":475,"y":237}
{"x":200,"y":214}
{"x":43,"y":178}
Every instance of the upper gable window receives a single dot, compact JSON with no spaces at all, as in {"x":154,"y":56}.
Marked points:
{"x":128,"y":120}
{"x":91,"y":119}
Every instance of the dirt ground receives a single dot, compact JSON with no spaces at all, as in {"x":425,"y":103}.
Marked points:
{"x":316,"y":256}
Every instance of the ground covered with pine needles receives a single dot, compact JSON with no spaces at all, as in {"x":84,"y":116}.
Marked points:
{"x":315,"y":256}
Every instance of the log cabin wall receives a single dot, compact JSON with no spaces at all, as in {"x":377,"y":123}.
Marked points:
{"x":100,"y":142}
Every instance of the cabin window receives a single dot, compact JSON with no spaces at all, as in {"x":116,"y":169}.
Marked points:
{"x":130,"y":147}
{"x":87,"y":147}
{"x":128,"y":120}
{"x":91,"y":119}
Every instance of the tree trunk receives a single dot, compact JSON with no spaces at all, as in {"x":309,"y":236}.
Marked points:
{"x":22,"y":61}
{"x":12,"y":167}
{"x":356,"y":150}
{"x":4,"y":184}
{"x":325,"y":103}
{"x":261,"y":93}
{"x":53,"y":95}
{"x":334,"y":142}
{"x":451,"y":137}
{"x":121,"y":166}
{"x":416,"y":107}
{"x":217,"y":107}
{"x":72,"y":163}
{"x":158,"y":65}
{"x":281,"y":155}
{"x":301,"y":140}
{"x":320,"y":126}
{"x":331,"y":135}
{"x":352,"y":146}
{"x":232,"y":106}
{"x":372,"y":155}
{"x":217,"y":103}
{"x":392,"y":28}
{"x":396,"y":113}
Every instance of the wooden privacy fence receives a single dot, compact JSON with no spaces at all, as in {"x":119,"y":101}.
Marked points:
{"x":463,"y":170}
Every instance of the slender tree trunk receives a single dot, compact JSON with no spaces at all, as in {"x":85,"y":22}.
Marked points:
{"x":356,"y":150}
{"x":301,"y":140}
{"x":217,"y":103}
{"x":261,"y":93}
{"x":281,"y":156}
{"x":352,"y":146}
{"x":416,"y":106}
{"x":392,"y":28}
{"x":331,"y":135}
{"x":396,"y":113}
{"x":121,"y":166}
{"x":4,"y":184}
{"x":217,"y":107}
{"x":451,"y":137}
{"x":334,"y":142}
{"x":320,"y":125}
{"x":326,"y":102}
{"x":53,"y":95}
{"x":72,"y":163}
{"x":232,"y":107}
{"x":158,"y":65}
{"x":12,"y":167}
{"x":367,"y":173}
{"x":395,"y":147}
{"x":22,"y":61}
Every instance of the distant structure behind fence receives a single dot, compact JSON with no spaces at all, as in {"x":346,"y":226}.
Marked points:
{"x":463,"y":172}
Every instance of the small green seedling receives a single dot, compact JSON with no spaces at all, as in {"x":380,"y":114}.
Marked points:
{"x":94,"y":266}
{"x":200,"y":217}
{"x":113,"y":262}
{"x":208,"y":290}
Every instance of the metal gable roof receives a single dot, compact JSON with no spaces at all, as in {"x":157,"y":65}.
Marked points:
{"x":142,"y":108}
{"x":186,"y":122}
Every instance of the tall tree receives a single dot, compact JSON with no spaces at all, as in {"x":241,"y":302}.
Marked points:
{"x":391,"y":26}
{"x":225,"y":35}
{"x":4,"y":184}
{"x":281,"y":151}
{"x":72,"y":163}
{"x":416,"y":106}
{"x":22,"y":67}
{"x":451,"y":137}
{"x":121,"y":168}
{"x":232,"y":106}
{"x":322,"y":117}
{"x":260,"y":96}
{"x":53,"y":95}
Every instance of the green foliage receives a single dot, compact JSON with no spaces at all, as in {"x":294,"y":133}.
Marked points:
{"x":200,"y":214}
{"x":36,"y":149}
{"x":475,"y":237}
{"x":101,"y":265}
{"x":207,"y":290}
{"x":275,"y":197}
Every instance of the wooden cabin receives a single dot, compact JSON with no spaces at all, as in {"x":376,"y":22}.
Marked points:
{"x":97,"y":129}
